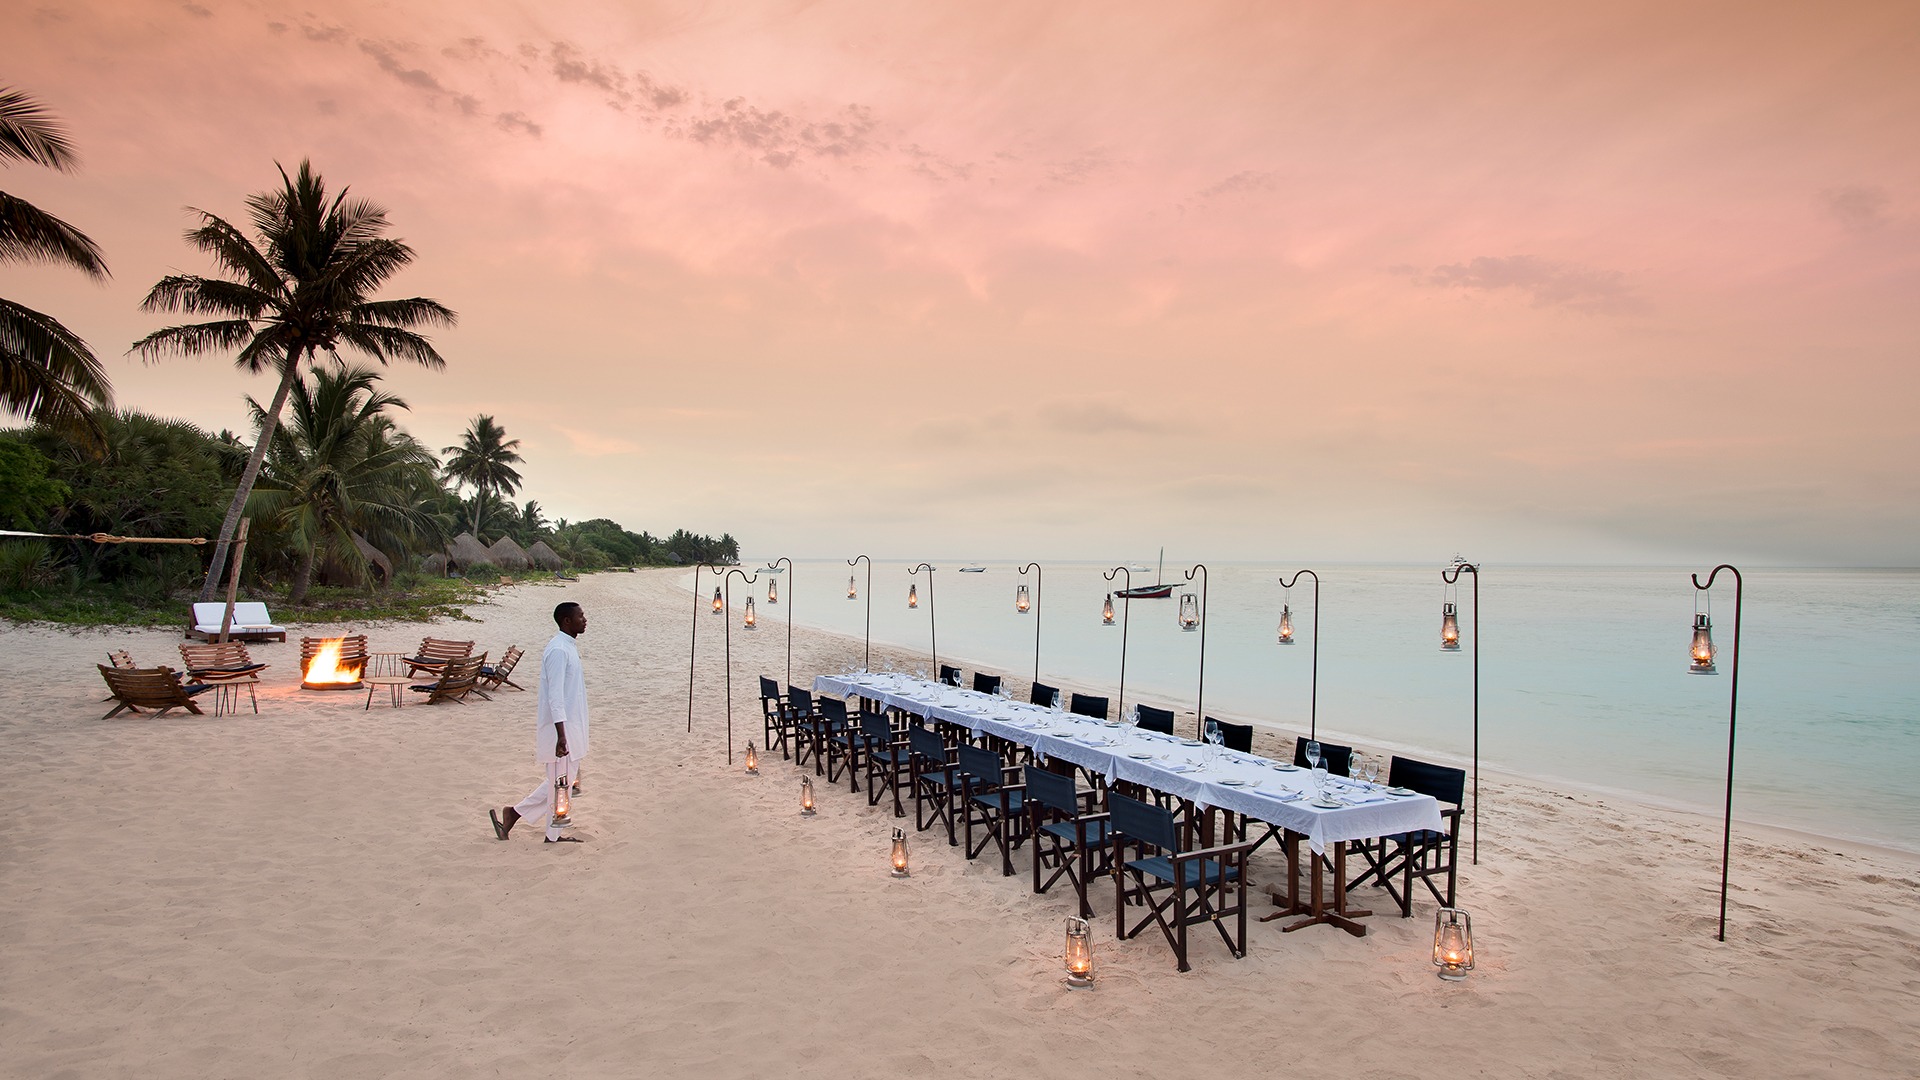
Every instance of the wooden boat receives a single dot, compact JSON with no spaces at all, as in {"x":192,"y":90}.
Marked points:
{"x":1157,"y":591}
{"x":974,"y":569}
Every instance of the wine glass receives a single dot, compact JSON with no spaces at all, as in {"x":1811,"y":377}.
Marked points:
{"x":1056,"y":699}
{"x":1215,"y":738}
{"x":1133,"y":716}
{"x":1312,"y":754}
{"x":1373,"y":770}
{"x":920,"y":673}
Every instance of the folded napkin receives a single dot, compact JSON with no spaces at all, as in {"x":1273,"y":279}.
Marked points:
{"x":1361,"y":800}
{"x":1179,"y":768}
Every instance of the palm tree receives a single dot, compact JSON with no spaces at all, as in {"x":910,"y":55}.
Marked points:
{"x":303,"y":289}
{"x":46,"y":372}
{"x":484,"y":460}
{"x":340,"y":466}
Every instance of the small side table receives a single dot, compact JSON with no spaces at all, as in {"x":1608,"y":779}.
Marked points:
{"x":397,"y":684}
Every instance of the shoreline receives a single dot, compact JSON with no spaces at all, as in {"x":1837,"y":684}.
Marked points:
{"x":905,"y":659}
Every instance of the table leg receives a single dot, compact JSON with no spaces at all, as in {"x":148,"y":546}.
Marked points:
{"x":1316,"y":911}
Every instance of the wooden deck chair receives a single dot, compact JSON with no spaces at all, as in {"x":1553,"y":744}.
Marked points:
{"x":157,"y":688}
{"x":458,"y":678}
{"x":435,"y":653}
{"x":992,"y":798}
{"x":1069,"y":837}
{"x":494,"y":676}
{"x":226,"y":667}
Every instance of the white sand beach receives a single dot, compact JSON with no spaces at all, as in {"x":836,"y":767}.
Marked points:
{"x":315,"y":892}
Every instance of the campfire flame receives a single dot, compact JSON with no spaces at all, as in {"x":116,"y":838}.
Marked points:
{"x":326,"y":667}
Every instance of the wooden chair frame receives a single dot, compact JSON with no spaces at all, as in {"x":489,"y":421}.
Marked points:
{"x":991,"y":799}
{"x":1178,"y":888}
{"x":1069,"y":839}
{"x":156,"y":688}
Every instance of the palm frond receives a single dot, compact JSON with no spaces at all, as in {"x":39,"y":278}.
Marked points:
{"x":30,"y":234}
{"x":386,"y":342}
{"x":48,"y":375}
{"x":28,"y":132}
{"x":195,"y":295}
{"x":194,"y":339}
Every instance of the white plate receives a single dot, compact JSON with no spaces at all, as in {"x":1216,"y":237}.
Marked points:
{"x":1284,"y":767}
{"x":1401,"y":791}
{"x":1139,"y":755}
{"x":1230,"y":782}
{"x":1325,"y":805}
{"x":1189,"y":742}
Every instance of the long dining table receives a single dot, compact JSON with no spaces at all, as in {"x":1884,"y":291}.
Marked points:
{"x":1260,"y":788}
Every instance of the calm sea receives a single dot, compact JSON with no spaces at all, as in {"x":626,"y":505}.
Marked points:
{"x":1583,"y":670}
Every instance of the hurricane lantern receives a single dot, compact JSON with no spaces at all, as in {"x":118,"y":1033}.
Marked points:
{"x":773,"y":590}
{"x":1703,"y":650}
{"x":1022,"y":603}
{"x":562,"y":799}
{"x":1286,"y":625}
{"x":1452,"y":943}
{"x":806,"y":796}
{"x":1449,"y":628}
{"x":753,"y":761}
{"x":913,"y":595}
{"x":748,"y":620}
{"x":1189,"y":612}
{"x":719,"y":605}
{"x":1079,"y":953}
{"x":853,"y":593}
{"x":1106,"y":611}
{"x":900,"y":853}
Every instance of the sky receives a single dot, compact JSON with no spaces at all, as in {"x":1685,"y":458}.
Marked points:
{"x":1533,"y":283}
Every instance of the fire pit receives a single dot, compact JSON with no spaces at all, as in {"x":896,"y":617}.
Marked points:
{"x":324,"y":666}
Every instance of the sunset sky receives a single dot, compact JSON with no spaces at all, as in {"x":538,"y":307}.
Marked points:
{"x":1618,"y":282}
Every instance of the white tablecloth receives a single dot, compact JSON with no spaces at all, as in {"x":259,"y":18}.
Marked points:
{"x":1244,"y":783}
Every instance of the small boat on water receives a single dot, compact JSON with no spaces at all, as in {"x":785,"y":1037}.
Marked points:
{"x":975,"y":568}
{"x":1157,"y":591}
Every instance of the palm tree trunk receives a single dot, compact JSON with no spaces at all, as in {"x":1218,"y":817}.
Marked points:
{"x":259,"y":456}
{"x":303,"y":576}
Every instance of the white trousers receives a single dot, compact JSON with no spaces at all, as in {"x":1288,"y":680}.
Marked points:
{"x":539,"y":801}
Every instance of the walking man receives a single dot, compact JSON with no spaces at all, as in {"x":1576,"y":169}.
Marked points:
{"x":560,"y":737}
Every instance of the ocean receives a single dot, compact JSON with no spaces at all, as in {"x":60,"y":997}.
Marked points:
{"x":1583,"y":670}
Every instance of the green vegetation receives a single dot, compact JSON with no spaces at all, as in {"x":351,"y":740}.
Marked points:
{"x":349,"y":512}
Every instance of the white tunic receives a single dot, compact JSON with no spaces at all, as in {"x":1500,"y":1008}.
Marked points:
{"x":563,"y":699}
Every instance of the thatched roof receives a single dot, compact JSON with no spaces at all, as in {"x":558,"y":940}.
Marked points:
{"x":465,"y":551}
{"x":545,"y":557}
{"x":508,"y":555}
{"x":435,"y":565}
{"x":378,"y":565}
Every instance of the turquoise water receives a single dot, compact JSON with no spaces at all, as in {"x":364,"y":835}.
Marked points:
{"x":1583,"y":670}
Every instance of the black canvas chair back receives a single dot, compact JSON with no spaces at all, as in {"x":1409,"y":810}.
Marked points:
{"x":1051,"y":790}
{"x":949,"y":675}
{"x":927,"y":745}
{"x":1143,"y":822}
{"x":1042,"y":694}
{"x":835,"y":711}
{"x":876,"y":729}
{"x":769,"y":689}
{"x":1089,"y":705}
{"x":801,"y":700}
{"x":1444,"y":784}
{"x":1239,"y":736}
{"x":1152,"y":719}
{"x":980,"y":767}
{"x":1337,"y":759}
{"x":986,"y":684}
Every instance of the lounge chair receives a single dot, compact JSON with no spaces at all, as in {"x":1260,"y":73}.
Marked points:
{"x":457,"y":680}
{"x":494,"y":676}
{"x":434,"y":655}
{"x":225,"y":666}
{"x":156,"y":688}
{"x":250,"y":622}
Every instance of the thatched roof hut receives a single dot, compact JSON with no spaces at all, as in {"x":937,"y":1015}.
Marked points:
{"x":508,"y":555}
{"x":435,"y":564}
{"x":545,"y":557}
{"x":376,"y":570}
{"x":465,"y":551}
